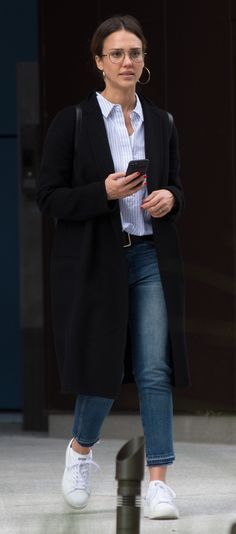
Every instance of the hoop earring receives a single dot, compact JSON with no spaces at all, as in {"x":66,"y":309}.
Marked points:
{"x":104,"y":74}
{"x":148,"y":78}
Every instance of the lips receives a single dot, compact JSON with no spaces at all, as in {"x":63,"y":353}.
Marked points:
{"x":127,"y":73}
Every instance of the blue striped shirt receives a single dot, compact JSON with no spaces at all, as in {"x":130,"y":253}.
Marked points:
{"x":125,"y":147}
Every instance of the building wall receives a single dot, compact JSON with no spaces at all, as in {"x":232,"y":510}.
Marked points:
{"x":192,"y":53}
{"x":201,"y":91}
{"x":18,"y":30}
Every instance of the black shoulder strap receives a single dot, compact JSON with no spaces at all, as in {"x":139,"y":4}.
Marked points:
{"x":171,"y":121}
{"x":78,"y":125}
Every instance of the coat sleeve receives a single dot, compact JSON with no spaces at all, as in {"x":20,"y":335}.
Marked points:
{"x":174,"y":182}
{"x":54,"y":194}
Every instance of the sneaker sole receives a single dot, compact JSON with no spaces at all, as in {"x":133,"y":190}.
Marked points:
{"x":66,"y":497}
{"x":74,"y":506}
{"x":163,"y":512}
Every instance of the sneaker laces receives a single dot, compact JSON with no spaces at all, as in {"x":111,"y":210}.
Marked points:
{"x":80,"y":472}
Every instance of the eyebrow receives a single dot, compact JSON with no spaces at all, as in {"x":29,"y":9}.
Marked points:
{"x":133,"y":48}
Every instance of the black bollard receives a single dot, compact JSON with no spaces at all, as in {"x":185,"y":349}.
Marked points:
{"x":129,"y":473}
{"x":233,"y":529}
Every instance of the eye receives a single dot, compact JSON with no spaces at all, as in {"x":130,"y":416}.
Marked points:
{"x":116,"y":54}
{"x":136,"y":54}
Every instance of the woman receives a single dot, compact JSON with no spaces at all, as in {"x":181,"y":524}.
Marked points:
{"x":116,"y":265}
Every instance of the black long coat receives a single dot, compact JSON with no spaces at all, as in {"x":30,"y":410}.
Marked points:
{"x":88,"y":273}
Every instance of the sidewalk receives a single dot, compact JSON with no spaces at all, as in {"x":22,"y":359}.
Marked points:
{"x":31,"y":466}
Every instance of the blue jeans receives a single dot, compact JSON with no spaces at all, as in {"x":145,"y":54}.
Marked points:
{"x":150,"y":359}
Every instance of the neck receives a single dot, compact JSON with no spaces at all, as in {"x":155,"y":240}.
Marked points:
{"x":127,"y":100}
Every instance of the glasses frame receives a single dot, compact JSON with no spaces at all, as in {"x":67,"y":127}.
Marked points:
{"x":124,"y":54}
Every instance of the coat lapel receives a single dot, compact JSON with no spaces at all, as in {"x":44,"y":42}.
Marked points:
{"x":97,"y":133}
{"x":98,"y":136}
{"x":153,"y":143}
{"x":100,"y":146}
{"x":99,"y":142}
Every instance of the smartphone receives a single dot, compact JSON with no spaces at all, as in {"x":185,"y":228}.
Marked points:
{"x":137,"y":165}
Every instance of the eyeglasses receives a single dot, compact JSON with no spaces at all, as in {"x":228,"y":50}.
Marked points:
{"x":118,"y":54}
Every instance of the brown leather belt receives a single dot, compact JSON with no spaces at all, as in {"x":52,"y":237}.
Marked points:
{"x":130,"y":239}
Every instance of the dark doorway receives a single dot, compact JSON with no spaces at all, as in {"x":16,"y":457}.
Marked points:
{"x":191,"y":55}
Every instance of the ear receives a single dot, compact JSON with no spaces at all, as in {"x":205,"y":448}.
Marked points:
{"x":99,"y":62}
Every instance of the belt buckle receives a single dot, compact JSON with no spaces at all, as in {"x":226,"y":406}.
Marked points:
{"x":129,"y":241}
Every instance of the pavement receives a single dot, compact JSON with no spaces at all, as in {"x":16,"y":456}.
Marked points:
{"x":31,"y":466}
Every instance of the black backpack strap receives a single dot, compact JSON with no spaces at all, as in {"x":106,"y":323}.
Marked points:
{"x":78,"y":127}
{"x":171,"y":122}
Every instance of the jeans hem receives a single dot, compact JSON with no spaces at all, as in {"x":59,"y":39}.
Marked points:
{"x":84,"y":443}
{"x":160,"y":460}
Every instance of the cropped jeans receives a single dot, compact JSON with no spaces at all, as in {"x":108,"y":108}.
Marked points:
{"x":150,"y":360}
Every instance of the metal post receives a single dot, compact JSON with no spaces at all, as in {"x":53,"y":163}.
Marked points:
{"x":129,"y":473}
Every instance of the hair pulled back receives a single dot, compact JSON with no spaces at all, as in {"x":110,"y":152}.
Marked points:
{"x":114,"y":24}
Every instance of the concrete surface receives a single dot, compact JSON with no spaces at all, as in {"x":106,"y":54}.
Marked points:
{"x":31,"y":467}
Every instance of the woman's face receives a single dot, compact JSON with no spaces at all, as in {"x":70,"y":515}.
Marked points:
{"x":126,"y":71}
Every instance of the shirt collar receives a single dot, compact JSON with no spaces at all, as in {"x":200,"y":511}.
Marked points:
{"x":107,"y":107}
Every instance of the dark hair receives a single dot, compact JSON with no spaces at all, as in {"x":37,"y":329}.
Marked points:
{"x":114,"y":24}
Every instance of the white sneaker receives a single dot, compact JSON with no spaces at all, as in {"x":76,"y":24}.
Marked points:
{"x":76,"y":486}
{"x":160,"y":501}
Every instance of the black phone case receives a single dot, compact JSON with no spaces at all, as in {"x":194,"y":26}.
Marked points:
{"x":137,"y":165}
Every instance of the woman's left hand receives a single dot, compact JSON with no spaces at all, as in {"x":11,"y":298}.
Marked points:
{"x":159,"y":203}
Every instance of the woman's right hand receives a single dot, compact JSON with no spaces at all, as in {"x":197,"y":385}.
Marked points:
{"x":119,"y":186}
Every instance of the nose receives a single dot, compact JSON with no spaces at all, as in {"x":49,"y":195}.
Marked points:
{"x":127,"y":58}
